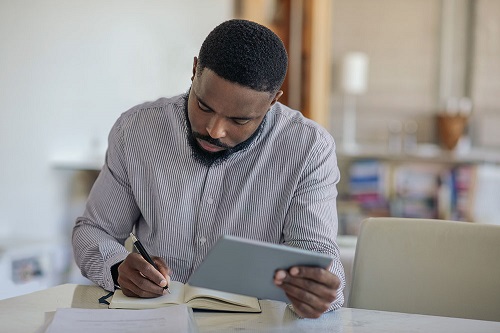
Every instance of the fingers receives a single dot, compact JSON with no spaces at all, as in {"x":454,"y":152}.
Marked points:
{"x":139,"y":278}
{"x":316,"y":280}
{"x":317,"y":274}
{"x":305,"y":310}
{"x":306,"y":303}
{"x":164,"y":270}
{"x":310,"y":289}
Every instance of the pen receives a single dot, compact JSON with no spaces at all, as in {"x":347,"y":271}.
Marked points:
{"x":145,"y":255}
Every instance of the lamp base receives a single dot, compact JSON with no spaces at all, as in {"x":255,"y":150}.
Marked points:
{"x":349,"y":123}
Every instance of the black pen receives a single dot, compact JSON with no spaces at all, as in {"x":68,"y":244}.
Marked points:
{"x":145,"y":255}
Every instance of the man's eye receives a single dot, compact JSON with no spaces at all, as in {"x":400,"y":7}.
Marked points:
{"x":203,"y":107}
{"x":241,"y":121}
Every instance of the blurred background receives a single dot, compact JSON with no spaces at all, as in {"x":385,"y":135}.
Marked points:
{"x":408,"y":89}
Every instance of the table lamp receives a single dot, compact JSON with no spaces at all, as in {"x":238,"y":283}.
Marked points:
{"x":354,"y":81}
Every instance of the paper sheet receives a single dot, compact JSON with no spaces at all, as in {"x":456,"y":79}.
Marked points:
{"x":177,"y":318}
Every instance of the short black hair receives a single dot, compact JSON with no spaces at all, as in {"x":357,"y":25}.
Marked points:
{"x":246,"y":53}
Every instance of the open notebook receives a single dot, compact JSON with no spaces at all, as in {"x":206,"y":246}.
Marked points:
{"x":194,"y":297}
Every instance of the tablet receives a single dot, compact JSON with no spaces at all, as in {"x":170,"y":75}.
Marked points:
{"x":247,"y":267}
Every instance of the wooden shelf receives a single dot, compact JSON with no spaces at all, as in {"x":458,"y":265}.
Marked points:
{"x":79,"y":163}
{"x":424,"y":153}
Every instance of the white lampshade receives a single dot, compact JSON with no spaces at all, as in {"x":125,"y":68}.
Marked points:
{"x":354,"y":73}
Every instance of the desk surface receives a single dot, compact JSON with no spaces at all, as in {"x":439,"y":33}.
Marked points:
{"x":26,"y":314}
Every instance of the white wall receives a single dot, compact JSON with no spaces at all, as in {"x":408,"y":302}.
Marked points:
{"x":486,"y":72}
{"x":407,"y":67}
{"x":401,"y":39}
{"x":68,"y":69}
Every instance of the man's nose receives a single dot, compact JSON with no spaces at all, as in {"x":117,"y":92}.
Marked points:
{"x":216,"y":127}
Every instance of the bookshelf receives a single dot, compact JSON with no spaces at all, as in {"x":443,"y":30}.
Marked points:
{"x":427,"y":182}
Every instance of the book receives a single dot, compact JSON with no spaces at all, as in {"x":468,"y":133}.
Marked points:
{"x":417,"y":188}
{"x":368,"y":184}
{"x":193,"y":297}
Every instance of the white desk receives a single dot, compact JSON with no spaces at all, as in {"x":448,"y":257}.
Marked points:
{"x":25,"y":314}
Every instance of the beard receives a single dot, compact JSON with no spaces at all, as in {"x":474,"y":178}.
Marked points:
{"x":207,"y":158}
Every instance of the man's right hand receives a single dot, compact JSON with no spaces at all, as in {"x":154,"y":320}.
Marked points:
{"x":138,"y":278}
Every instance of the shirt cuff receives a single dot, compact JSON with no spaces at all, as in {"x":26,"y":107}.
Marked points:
{"x":114,"y":274}
{"x":108,"y":282}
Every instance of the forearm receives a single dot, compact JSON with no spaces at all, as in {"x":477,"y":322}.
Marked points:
{"x":109,"y":217}
{"x":96,"y":252}
{"x":318,"y":233}
{"x":312,"y":221}
{"x":338,"y":270}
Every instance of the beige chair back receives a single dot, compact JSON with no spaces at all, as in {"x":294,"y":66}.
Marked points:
{"x":431,"y":267}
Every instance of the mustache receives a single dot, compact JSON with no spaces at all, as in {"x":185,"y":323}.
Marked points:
{"x":215,"y":142}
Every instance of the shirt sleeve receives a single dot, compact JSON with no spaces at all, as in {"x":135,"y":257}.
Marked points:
{"x":111,"y":211}
{"x":312,"y":221}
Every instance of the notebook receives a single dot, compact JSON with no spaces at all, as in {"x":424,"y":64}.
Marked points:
{"x":194,"y":297}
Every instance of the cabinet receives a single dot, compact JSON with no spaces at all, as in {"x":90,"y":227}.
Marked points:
{"x":424,"y":183}
{"x":27,"y":265}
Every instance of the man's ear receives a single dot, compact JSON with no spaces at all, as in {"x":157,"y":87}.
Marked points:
{"x":195,"y":63}
{"x":276,"y":97}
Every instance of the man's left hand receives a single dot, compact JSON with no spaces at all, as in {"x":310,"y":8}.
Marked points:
{"x":310,"y":289}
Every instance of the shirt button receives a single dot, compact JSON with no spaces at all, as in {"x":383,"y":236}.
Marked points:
{"x":203,"y":240}
{"x":210,"y":201}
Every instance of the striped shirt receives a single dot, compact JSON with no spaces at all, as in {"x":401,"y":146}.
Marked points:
{"x":280,"y":189}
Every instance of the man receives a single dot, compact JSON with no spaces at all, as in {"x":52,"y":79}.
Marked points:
{"x":225,"y":158}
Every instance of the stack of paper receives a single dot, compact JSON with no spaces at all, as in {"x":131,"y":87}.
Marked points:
{"x":177,"y":318}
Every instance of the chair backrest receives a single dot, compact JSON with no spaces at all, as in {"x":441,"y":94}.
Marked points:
{"x":433,"y":267}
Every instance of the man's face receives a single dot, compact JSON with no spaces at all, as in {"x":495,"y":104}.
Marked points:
{"x":223,"y":114}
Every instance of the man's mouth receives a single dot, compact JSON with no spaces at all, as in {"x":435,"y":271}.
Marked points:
{"x":208,"y":146}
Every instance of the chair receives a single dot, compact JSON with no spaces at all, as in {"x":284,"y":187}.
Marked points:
{"x":432,"y":267}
